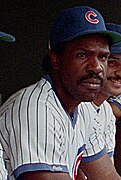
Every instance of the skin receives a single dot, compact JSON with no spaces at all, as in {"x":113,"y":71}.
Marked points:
{"x":114,"y":81}
{"x":116,"y":111}
{"x":77,"y":76}
{"x":117,"y":157}
{"x":116,"y":88}
{"x":79,"y":73}
{"x":114,"y":75}
{"x":101,"y":169}
{"x":111,"y":87}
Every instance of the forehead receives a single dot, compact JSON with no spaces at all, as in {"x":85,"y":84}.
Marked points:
{"x":90,"y":41}
{"x":116,"y":56}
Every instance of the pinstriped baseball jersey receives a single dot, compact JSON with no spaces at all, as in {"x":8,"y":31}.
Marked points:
{"x":38,"y":134}
{"x":101,"y":129}
{"x":116,"y":100}
{"x":3,"y":172}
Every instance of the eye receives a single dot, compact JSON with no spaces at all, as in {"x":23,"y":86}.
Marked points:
{"x":112,"y":62}
{"x":81,"y":55}
{"x":104,"y":57}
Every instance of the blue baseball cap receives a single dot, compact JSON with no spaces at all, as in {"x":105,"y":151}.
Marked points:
{"x":80,"y":20}
{"x":115,"y":49}
{"x":6,"y":37}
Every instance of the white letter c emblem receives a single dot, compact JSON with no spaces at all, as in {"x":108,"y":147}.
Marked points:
{"x":88,"y":17}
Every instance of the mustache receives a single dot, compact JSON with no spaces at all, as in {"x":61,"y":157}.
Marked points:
{"x":117,"y":77}
{"x":90,"y":76}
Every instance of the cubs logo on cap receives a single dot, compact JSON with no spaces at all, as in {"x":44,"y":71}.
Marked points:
{"x":81,"y":20}
{"x":90,"y":19}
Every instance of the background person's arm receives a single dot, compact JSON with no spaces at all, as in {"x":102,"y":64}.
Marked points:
{"x":116,"y":110}
{"x":102,"y":169}
{"x":81,"y":175}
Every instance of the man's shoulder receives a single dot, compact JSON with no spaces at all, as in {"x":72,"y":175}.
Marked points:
{"x":106,"y":109}
{"x":32,"y":93}
{"x":116,"y":100}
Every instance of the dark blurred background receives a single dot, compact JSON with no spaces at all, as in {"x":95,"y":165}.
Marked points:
{"x":30,"y":21}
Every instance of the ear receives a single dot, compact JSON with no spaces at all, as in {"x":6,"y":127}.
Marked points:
{"x":54,"y":59}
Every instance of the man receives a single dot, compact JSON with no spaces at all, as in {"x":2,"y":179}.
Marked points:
{"x":44,"y":133}
{"x":116,"y":55}
{"x":116,"y":78}
{"x":115,"y":101}
{"x":3,"y":172}
{"x":103,"y":120}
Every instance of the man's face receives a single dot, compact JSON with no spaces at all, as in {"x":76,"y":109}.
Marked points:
{"x":83,"y":66}
{"x":113,"y":83}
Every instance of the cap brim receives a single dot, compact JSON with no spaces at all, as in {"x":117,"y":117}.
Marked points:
{"x":6,"y":37}
{"x":113,"y":37}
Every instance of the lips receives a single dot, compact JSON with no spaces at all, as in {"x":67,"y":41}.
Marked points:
{"x":116,"y":82}
{"x":92,"y":83}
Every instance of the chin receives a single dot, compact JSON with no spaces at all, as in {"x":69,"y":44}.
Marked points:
{"x":85,"y":96}
{"x":88,"y":98}
{"x":115,"y":92}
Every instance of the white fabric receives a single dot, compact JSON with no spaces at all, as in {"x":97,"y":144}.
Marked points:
{"x":37,"y":133}
{"x":101,"y":129}
{"x":116,"y":100}
{"x":3,"y":172}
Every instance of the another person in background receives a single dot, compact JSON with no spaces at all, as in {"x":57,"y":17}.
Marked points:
{"x":116,"y":106}
{"x":103,"y":120}
{"x":115,"y":102}
{"x":44,"y":132}
{"x":3,"y":172}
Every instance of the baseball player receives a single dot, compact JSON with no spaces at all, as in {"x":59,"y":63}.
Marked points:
{"x":116,"y":54}
{"x":103,"y":120}
{"x":115,"y":101}
{"x":3,"y":172}
{"x":42,"y":130}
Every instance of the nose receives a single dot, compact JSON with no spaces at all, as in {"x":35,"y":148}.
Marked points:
{"x":95,"y":65}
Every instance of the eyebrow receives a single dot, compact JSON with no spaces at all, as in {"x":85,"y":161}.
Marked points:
{"x":115,"y":58}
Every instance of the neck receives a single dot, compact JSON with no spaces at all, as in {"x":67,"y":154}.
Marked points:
{"x":100,"y":98}
{"x":68,"y":102}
